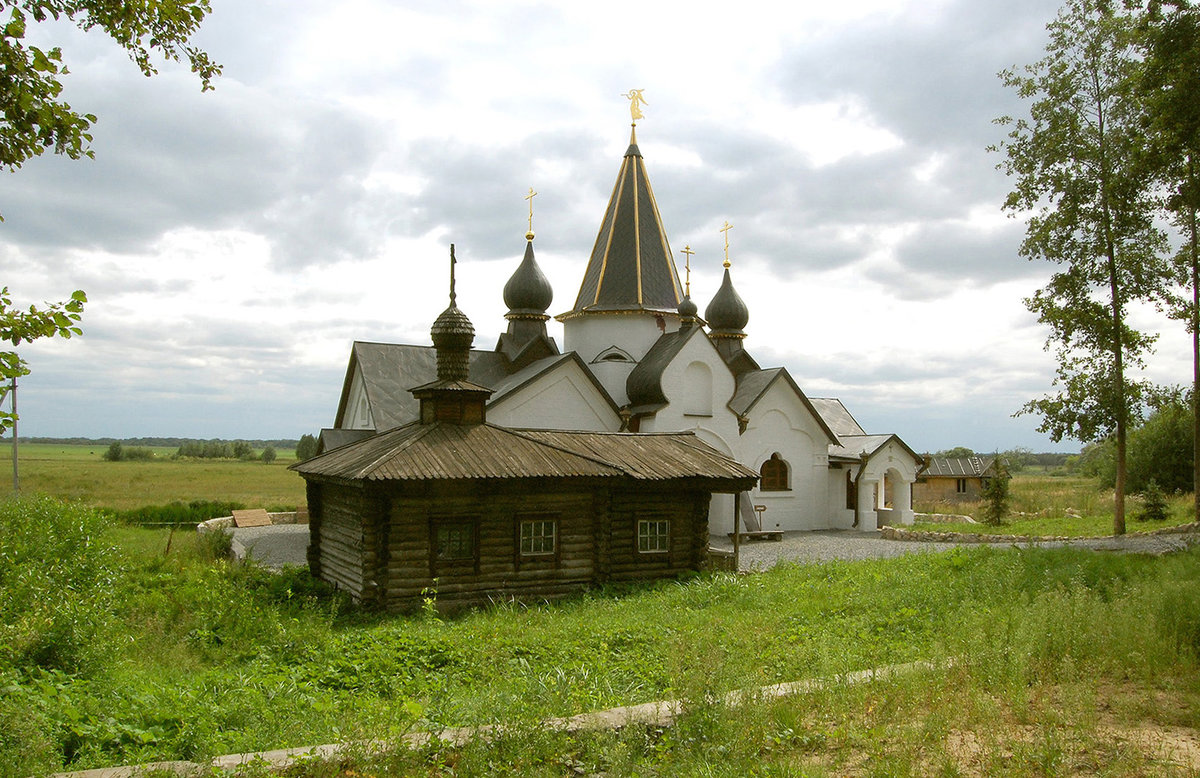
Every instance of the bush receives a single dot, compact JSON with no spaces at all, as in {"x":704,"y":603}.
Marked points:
{"x":192,"y":512}
{"x":306,"y":448}
{"x":995,"y":495}
{"x":1154,"y":503}
{"x":114,"y":453}
{"x":268,"y":455}
{"x":57,"y":568}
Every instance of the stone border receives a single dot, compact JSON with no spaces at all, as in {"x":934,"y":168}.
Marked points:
{"x":226,"y":522}
{"x":926,"y":536}
{"x":661,"y":713}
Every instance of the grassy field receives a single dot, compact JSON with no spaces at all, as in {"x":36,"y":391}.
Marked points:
{"x":1049,"y":663}
{"x":79,"y":473}
{"x":1070,"y":506}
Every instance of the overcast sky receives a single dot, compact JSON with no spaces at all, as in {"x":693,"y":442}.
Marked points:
{"x":234,"y":243}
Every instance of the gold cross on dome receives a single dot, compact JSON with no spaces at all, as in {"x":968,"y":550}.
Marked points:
{"x":726,"y":230}
{"x":532,"y":194}
{"x":687,"y":266}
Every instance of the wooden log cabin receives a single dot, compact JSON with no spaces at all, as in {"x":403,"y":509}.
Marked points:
{"x":477,"y":512}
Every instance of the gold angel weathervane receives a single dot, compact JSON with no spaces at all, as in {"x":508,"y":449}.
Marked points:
{"x":636,"y":101}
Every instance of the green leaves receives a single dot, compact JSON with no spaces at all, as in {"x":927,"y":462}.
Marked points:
{"x":21,"y":326}
{"x":34,"y":119}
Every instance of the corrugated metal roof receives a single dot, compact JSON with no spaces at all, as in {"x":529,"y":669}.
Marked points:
{"x":483,"y":451}
{"x":958,"y":467}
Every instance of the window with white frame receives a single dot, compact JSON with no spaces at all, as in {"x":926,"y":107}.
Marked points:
{"x":539,"y":537}
{"x":653,"y":536}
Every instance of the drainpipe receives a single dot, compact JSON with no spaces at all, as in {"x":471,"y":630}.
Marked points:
{"x":862,"y":465}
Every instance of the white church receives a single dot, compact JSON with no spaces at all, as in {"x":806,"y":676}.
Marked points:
{"x":637,"y":357}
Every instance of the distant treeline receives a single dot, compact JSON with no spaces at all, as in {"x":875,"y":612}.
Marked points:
{"x":159,"y":442}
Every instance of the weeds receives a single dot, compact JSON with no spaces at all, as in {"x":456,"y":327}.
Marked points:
{"x":116,"y":652}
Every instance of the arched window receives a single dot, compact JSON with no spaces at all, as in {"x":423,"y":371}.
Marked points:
{"x":774,"y":474}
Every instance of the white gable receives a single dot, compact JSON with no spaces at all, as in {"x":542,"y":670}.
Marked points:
{"x":358,"y":407}
{"x":562,"y":399}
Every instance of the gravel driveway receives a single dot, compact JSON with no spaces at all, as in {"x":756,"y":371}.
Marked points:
{"x":287,"y":544}
{"x":823,"y":545}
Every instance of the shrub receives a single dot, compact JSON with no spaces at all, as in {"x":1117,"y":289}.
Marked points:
{"x":306,"y":448}
{"x":114,"y":453}
{"x":268,"y":455}
{"x":1154,"y":503}
{"x":192,"y":512}
{"x":995,"y":495}
{"x":56,"y":574}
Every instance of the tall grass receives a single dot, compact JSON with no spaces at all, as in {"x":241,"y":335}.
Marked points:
{"x":1058,"y":505}
{"x":180,"y":656}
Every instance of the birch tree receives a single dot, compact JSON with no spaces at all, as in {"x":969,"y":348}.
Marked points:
{"x":1079,"y":170}
{"x":1171,"y":92}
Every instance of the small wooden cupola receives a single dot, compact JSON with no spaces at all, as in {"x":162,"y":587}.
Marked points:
{"x":452,"y":399}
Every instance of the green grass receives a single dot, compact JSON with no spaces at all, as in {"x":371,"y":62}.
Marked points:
{"x":113,"y":651}
{"x":79,"y":473}
{"x":1069,"y":506}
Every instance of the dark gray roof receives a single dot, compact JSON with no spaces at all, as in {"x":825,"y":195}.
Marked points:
{"x":631,"y":267}
{"x":644,"y":384}
{"x":753,"y":384}
{"x":958,"y":467}
{"x":836,"y":416}
{"x":391,"y":370}
{"x":852,"y":447}
{"x":336,"y":438}
{"x":420,"y":452}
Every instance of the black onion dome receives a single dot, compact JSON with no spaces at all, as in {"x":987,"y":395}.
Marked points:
{"x":688,"y":309}
{"x":528,"y":291}
{"x":727,"y":313}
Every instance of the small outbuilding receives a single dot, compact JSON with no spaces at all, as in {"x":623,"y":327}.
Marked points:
{"x":955,"y":479}
{"x":477,"y":512}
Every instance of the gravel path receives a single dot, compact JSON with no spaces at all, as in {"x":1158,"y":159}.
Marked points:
{"x":287,"y":544}
{"x":823,"y":545}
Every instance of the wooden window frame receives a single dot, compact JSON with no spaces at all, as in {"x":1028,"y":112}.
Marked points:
{"x":779,"y":479}
{"x":439,"y":565}
{"x":960,"y":486}
{"x":660,"y":537}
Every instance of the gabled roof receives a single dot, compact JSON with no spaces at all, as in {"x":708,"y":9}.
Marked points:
{"x":959,"y":467}
{"x":854,"y":446}
{"x":837,"y":417}
{"x":631,"y":267}
{"x":420,"y":452}
{"x":391,"y":370}
{"x":753,"y":384}
{"x":518,"y":380}
{"x":644,"y":384}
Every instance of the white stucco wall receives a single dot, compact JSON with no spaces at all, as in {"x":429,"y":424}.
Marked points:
{"x":634,"y":333}
{"x":358,"y":410}
{"x":780,"y":423}
{"x":565,"y":399}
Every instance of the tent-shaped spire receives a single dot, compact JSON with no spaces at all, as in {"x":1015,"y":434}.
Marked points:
{"x":631,"y":267}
